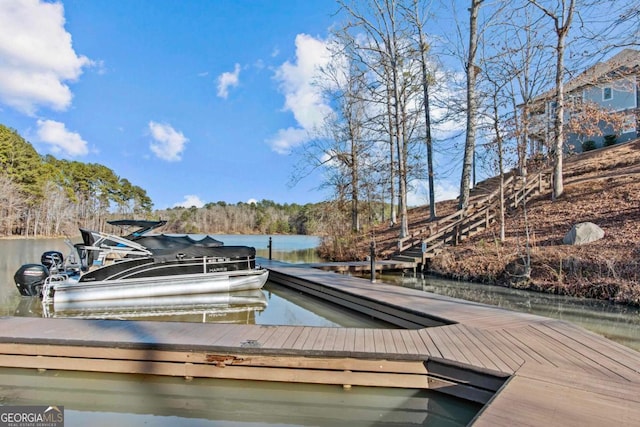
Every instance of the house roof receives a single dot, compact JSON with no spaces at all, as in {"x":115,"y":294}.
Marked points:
{"x":624,"y":63}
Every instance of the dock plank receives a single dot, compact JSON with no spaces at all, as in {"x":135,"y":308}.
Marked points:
{"x":320,"y":339}
{"x":349,"y":340}
{"x":553,"y":352}
{"x":523,"y":347}
{"x":293,"y":336}
{"x":477,"y":345}
{"x":427,"y":341}
{"x":360,"y":345}
{"x":568,"y":352}
{"x":302,"y":338}
{"x":237,"y":336}
{"x":463,"y":346}
{"x":337,"y":344}
{"x":501,"y":348}
{"x":535,"y":402}
{"x":413,"y":343}
{"x":447,"y":348}
{"x":620,"y":361}
{"x":398,"y":341}
{"x":279,"y":337}
{"x":312,"y":336}
{"x":386,"y":336}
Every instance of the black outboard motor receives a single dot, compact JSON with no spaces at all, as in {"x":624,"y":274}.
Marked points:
{"x":53,"y":260}
{"x":29,"y":279}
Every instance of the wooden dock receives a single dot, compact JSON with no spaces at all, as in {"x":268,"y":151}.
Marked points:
{"x":525,"y":369}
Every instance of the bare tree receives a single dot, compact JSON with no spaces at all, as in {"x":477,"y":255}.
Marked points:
{"x":416,"y":18}
{"x":472,"y":70}
{"x":562,"y":17}
{"x":384,"y":36}
{"x":497,"y":81}
{"x":527,"y":61}
{"x":611,"y":25}
{"x":12,"y":203}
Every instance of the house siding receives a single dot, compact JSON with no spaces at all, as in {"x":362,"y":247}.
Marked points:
{"x":623,"y":91}
{"x":588,"y":86}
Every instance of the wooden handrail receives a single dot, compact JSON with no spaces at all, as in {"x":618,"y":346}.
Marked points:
{"x":465,"y":221}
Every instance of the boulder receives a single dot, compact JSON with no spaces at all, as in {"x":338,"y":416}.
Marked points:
{"x":582,"y":233}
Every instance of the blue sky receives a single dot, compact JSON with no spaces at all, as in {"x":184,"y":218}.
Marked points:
{"x":194,"y":101}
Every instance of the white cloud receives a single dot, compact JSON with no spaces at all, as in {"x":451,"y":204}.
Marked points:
{"x":227,"y":80}
{"x":252,"y":202}
{"x":189,"y":201}
{"x":61,"y":140}
{"x":168,"y":143}
{"x":302,"y":97}
{"x":448,"y":91}
{"x":419,"y":196}
{"x":285,"y":139}
{"x":36,"y":56}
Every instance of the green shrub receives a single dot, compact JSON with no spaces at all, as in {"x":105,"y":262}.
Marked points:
{"x":588,"y":145}
{"x":609,"y":140}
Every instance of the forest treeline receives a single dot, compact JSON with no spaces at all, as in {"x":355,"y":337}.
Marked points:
{"x":46,"y":196}
{"x":263,"y":217}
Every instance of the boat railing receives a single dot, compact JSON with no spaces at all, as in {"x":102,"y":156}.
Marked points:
{"x":210,"y":261}
{"x":48,"y":287}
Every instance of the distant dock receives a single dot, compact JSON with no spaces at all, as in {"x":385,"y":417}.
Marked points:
{"x":525,"y":369}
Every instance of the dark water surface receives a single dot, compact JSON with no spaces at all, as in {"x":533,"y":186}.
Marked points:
{"x":93,"y":399}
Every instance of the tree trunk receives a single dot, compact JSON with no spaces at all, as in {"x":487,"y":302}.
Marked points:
{"x":392,"y":167}
{"x":562,"y":22}
{"x":427,"y":114}
{"x":558,"y":186}
{"x":355,"y":219}
{"x":472,"y":72}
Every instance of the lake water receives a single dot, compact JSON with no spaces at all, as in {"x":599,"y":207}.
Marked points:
{"x":107,"y":400}
{"x":130,"y":400}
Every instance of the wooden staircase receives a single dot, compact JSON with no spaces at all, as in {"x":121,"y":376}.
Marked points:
{"x":425,"y":242}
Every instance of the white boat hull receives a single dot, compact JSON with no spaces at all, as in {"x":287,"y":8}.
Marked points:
{"x":72,"y":291}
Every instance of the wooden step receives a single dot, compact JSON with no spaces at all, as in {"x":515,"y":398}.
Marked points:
{"x":406,"y":258}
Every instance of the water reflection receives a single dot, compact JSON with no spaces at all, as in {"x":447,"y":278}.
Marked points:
{"x":273,"y":305}
{"x":13,"y":254}
{"x":620,"y":323}
{"x":234,"y":307}
{"x":290,"y":307}
{"x":117,"y":399}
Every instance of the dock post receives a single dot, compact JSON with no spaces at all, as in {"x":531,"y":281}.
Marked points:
{"x":270,"y":246}
{"x":372,"y":257}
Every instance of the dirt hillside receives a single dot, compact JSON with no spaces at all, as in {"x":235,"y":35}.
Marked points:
{"x":601,"y":186}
